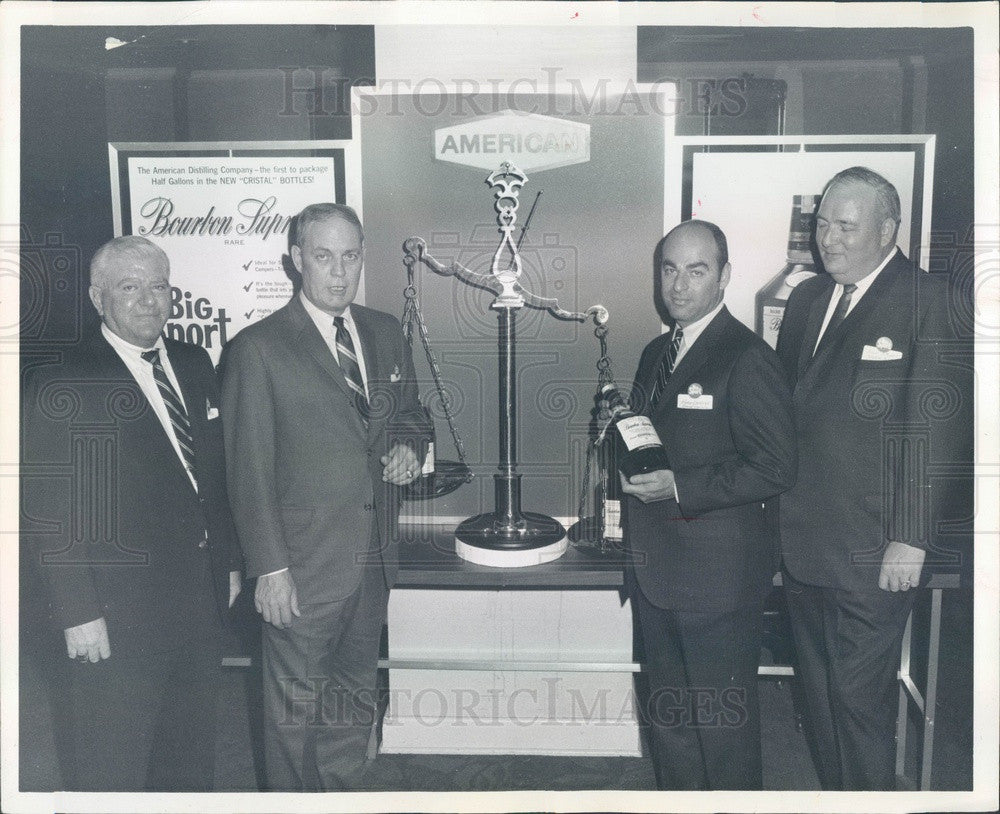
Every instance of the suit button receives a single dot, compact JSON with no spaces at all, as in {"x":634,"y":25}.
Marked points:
{"x":368,"y":507}
{"x":202,"y":543}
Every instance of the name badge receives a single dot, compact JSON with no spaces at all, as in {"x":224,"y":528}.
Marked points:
{"x":685,"y":401}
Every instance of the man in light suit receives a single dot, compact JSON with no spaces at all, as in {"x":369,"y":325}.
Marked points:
{"x":703,"y":558}
{"x":323,"y":423}
{"x":874,"y":396}
{"x":136,"y":548}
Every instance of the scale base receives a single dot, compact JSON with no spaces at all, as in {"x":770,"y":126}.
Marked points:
{"x":585,"y":535}
{"x":542,"y":539}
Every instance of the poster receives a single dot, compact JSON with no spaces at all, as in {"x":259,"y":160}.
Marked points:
{"x":223,"y":217}
{"x":749,"y":193}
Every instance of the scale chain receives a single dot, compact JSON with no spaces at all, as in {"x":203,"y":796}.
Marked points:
{"x":412,"y":314}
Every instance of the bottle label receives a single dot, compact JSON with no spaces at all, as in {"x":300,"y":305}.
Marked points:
{"x":612,"y":520}
{"x":772,"y":316}
{"x":637,"y":432}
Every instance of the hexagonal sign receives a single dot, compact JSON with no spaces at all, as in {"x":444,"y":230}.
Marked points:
{"x":530,"y":141}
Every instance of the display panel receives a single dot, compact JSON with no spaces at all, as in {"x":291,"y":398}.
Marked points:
{"x":222,"y":212}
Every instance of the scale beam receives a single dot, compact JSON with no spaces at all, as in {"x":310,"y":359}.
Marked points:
{"x":507,"y":536}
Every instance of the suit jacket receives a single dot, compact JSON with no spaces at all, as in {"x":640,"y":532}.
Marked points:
{"x":111,"y":521}
{"x":712,"y":551}
{"x":306,"y":480}
{"x":868,"y":424}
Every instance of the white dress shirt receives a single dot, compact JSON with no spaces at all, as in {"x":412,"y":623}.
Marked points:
{"x":326,"y":328}
{"x":693,"y":331}
{"x":862,"y":286}
{"x":691,"y":334}
{"x":142,"y":372}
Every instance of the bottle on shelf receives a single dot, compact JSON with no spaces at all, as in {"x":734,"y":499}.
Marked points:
{"x":428,"y":466}
{"x":610,"y":493}
{"x":639,"y":448}
{"x":799,"y":266}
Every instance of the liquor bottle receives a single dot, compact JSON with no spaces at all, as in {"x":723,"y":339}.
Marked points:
{"x":799,"y":266}
{"x":428,"y":466}
{"x":611,"y":503}
{"x":639,"y":448}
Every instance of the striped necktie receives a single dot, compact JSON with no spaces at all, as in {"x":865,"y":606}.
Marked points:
{"x":667,"y":364}
{"x":175,"y":409}
{"x":348,"y":359}
{"x":843,"y":306}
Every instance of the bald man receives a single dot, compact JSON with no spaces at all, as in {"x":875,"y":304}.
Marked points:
{"x":703,"y":556}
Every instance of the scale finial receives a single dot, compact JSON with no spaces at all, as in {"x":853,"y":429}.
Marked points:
{"x":508,"y":181}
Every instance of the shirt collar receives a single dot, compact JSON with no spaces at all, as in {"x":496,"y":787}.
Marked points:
{"x":865,"y":282}
{"x":323,"y":320}
{"x":128,"y":348}
{"x":694,"y":330}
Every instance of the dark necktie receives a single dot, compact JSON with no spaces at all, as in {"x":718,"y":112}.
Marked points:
{"x":175,"y":408}
{"x":843,"y":305}
{"x":348,"y":359}
{"x":667,"y":365}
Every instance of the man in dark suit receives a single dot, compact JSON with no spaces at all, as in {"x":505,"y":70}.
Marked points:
{"x":703,"y":559}
{"x":322,"y":423}
{"x":135,"y":543}
{"x":873,"y":397}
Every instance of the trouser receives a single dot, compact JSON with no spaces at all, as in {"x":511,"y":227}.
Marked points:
{"x":320,"y":694}
{"x":847,"y":646}
{"x":147,"y":722}
{"x":702,"y":707}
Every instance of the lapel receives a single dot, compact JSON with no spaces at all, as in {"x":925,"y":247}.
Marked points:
{"x":110,"y":364}
{"x":369,"y":344}
{"x":375,"y":366}
{"x":693,"y":360}
{"x":308,"y":337}
{"x":817,"y":310}
{"x":859,"y":313}
{"x":194,"y":398}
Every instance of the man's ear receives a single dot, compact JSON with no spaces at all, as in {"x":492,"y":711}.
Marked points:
{"x":888,"y":232}
{"x":724,"y":275}
{"x":297,"y":258}
{"x":95,"y":298}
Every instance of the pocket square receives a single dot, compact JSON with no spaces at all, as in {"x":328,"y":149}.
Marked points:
{"x":210,"y":411}
{"x":395,"y":376}
{"x":870,"y":353}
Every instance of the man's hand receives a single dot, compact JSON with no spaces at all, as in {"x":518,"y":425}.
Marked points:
{"x":275,"y":598}
{"x":89,"y":641}
{"x":401,"y":465}
{"x":901,"y":566}
{"x":650,"y":487}
{"x":235,"y":586}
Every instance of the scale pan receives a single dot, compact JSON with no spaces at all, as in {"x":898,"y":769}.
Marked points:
{"x":445,"y":479}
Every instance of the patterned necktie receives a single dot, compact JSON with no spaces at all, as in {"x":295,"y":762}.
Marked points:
{"x":175,"y":408}
{"x":348,"y":359}
{"x":843,"y":305}
{"x":667,"y":365}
